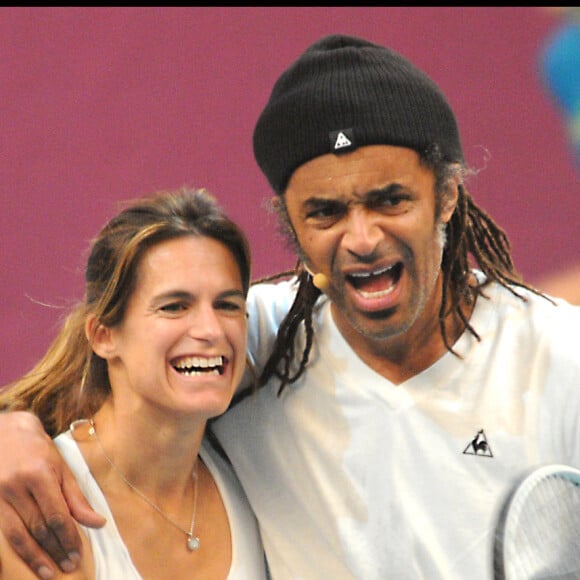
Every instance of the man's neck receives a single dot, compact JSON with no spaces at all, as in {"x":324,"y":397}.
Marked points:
{"x":401,"y":357}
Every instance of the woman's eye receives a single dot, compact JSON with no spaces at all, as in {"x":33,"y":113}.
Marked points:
{"x":173,"y":307}
{"x":231,"y":307}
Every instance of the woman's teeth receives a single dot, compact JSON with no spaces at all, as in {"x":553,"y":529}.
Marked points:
{"x":197,"y":365}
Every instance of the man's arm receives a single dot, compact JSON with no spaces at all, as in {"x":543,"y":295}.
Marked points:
{"x":39,"y":497}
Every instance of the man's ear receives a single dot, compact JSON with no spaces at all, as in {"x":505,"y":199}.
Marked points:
{"x":278,"y":205}
{"x":100,"y":338}
{"x":449,"y":198}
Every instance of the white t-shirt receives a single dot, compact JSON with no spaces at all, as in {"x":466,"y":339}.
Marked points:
{"x":112,"y":558}
{"x":351,"y":476}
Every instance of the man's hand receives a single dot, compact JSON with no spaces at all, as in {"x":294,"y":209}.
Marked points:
{"x":39,"y":497}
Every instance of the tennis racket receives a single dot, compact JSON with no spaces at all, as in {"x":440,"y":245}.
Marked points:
{"x":538,"y":530}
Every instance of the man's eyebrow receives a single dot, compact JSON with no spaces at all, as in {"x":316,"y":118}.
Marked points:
{"x":313,"y":202}
{"x":389,"y":189}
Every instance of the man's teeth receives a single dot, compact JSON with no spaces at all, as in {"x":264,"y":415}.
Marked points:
{"x":197,"y":365}
{"x":375,"y":284}
{"x":369,"y":274}
{"x":378,"y":294}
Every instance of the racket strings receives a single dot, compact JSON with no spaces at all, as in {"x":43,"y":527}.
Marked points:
{"x":542,"y":534}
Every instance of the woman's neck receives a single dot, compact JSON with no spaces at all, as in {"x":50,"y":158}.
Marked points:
{"x":156,"y":455}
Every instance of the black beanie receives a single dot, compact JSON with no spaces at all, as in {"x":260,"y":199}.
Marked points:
{"x":345,"y":92}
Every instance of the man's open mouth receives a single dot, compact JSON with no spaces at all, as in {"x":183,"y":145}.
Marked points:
{"x":377,"y":283}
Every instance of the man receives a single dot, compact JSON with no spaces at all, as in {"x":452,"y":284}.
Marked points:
{"x":398,"y":407}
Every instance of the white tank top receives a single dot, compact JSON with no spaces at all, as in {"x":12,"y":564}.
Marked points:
{"x":112,"y":558}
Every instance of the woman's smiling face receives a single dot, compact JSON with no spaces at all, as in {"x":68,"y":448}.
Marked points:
{"x":181,"y":344}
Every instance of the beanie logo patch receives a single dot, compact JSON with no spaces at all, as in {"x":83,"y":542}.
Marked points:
{"x":342,"y":140}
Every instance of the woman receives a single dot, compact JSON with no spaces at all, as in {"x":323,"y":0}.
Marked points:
{"x":154,"y":351}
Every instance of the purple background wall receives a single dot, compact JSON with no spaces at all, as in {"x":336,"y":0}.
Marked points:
{"x":105,"y":104}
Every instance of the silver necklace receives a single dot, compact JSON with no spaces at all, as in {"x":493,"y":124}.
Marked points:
{"x":193,"y":542}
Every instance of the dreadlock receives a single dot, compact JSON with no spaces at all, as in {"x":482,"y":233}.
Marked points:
{"x":473,"y":238}
{"x":283,"y":353}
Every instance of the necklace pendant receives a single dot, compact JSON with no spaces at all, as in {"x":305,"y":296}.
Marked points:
{"x":193,"y":543}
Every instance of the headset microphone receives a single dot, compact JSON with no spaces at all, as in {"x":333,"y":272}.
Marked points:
{"x":319,"y":280}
